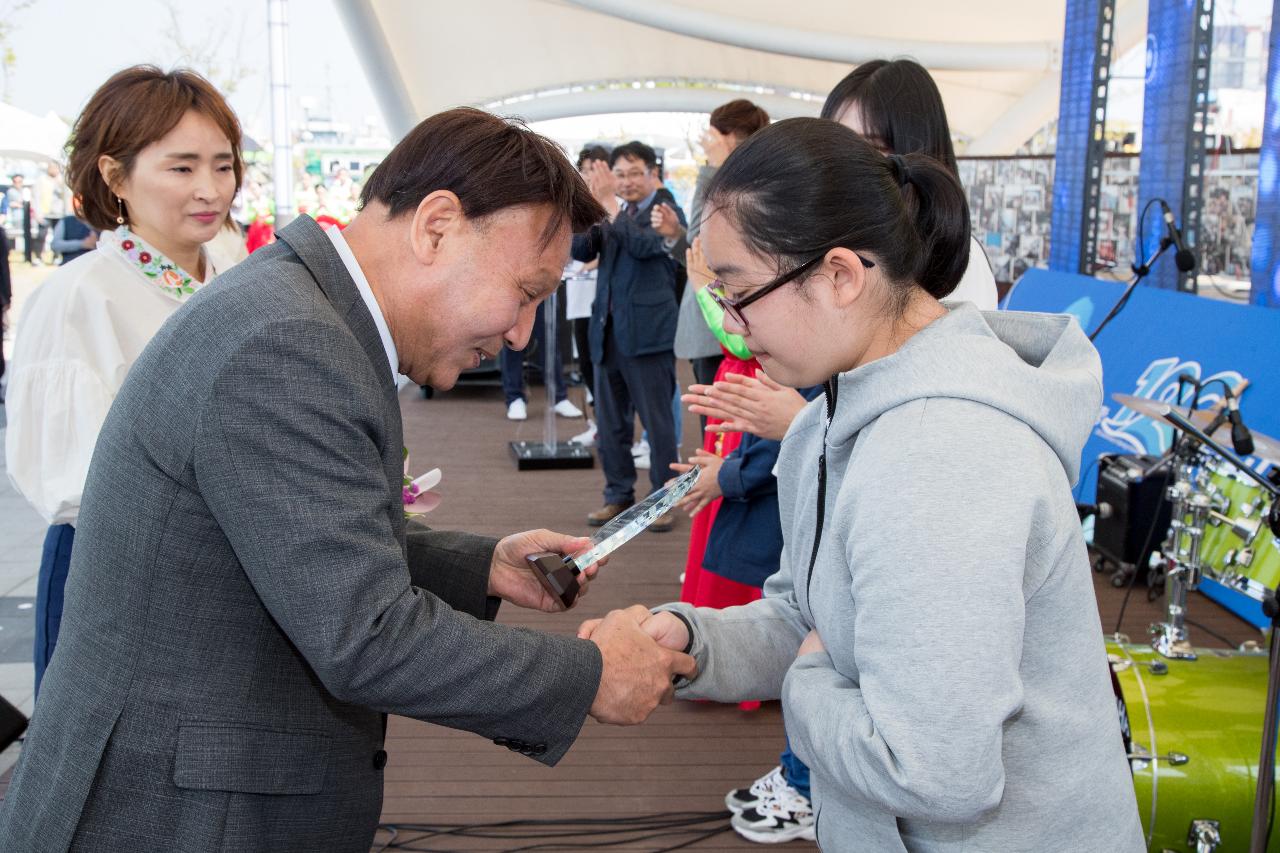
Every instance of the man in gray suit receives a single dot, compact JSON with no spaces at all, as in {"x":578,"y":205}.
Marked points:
{"x":245,"y":603}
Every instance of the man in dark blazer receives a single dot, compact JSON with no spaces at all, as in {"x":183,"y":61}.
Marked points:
{"x":633,"y":327}
{"x":245,"y":602}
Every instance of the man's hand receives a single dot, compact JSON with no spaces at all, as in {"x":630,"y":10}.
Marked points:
{"x":757,"y":405}
{"x":603,"y":185}
{"x":667,"y":630}
{"x":700,"y":275}
{"x":664,"y":220}
{"x":717,"y":146}
{"x":707,"y":489}
{"x":511,"y":576}
{"x":638,"y":673}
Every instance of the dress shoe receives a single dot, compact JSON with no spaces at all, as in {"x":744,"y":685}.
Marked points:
{"x":663,"y":523}
{"x":606,"y":513}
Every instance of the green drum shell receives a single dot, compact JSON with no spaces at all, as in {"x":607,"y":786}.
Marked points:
{"x":1221,"y":549}
{"x":1210,"y":710}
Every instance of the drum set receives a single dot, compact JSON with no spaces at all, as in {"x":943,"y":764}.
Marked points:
{"x":1199,"y":724}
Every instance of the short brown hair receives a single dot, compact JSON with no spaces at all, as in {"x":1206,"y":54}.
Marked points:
{"x":739,"y":118}
{"x":135,"y":108}
{"x":489,"y":163}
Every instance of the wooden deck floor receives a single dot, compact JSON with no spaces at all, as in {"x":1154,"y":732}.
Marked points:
{"x":688,"y":755}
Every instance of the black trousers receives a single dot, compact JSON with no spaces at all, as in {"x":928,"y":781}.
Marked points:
{"x":643,"y":384}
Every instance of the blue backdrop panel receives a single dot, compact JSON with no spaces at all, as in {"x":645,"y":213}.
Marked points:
{"x":1159,"y":335}
{"x":1265,"y":264}
{"x":1166,"y":107}
{"x":1075,"y":124}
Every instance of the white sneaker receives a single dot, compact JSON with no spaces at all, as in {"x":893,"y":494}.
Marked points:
{"x":586,"y":438}
{"x":740,"y":799}
{"x":641,"y":462}
{"x":783,"y":815}
{"x":517,"y":411}
{"x":566,"y":409}
{"x":640,"y":448}
{"x":591,"y":398}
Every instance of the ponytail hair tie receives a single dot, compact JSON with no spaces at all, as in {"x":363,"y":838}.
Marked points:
{"x":901,"y":170}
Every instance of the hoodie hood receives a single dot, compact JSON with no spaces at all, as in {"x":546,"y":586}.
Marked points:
{"x":1039,"y":368}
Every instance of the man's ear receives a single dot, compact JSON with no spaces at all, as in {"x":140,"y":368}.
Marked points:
{"x":437,"y":216}
{"x":847,"y":275}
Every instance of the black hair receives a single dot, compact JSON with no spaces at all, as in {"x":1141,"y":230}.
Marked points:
{"x":804,"y":186}
{"x":901,"y":108}
{"x":634,"y":150}
{"x":592,"y":152}
{"x":489,"y":163}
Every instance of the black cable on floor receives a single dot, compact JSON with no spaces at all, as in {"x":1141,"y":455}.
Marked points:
{"x":639,"y":828}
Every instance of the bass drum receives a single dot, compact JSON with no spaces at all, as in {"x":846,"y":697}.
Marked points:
{"x":1193,"y":730}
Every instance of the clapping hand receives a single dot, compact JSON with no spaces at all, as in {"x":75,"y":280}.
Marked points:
{"x":700,"y":275}
{"x":603,"y":185}
{"x":511,"y":576}
{"x":717,"y":146}
{"x":754,"y":404}
{"x":707,"y":489}
{"x":664,"y":220}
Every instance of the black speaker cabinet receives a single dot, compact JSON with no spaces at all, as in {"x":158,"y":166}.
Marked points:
{"x":1130,"y":501}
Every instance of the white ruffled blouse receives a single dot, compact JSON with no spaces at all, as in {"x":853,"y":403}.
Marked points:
{"x":79,"y":334}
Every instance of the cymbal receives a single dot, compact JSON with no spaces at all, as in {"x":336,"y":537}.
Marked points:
{"x":1264,"y":446}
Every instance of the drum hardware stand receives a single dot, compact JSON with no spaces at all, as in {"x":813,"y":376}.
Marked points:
{"x":1264,"y":799}
{"x":1204,"y":835}
{"x":1181,"y":559}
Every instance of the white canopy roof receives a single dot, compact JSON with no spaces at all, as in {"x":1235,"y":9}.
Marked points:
{"x":996,"y":61}
{"x":26,"y":136}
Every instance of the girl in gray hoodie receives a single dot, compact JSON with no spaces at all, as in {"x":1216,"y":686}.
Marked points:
{"x":932,"y":632}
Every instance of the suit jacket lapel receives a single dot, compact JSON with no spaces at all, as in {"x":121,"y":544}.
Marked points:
{"x":314,"y":249}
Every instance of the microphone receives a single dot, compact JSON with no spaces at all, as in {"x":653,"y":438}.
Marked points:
{"x":1184,"y":259}
{"x":1241,"y":438}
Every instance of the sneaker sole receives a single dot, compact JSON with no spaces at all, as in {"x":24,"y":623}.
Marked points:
{"x":803,"y":833}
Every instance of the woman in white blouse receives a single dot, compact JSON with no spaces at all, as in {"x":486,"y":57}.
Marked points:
{"x":154,"y":161}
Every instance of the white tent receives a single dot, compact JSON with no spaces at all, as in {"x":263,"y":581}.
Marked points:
{"x":26,"y":136}
{"x":997,"y":62}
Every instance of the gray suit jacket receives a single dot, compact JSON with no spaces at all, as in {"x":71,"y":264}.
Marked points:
{"x":241,"y":612}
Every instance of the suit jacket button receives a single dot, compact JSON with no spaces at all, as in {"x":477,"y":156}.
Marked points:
{"x":540,"y":749}
{"x":380,"y":759}
{"x":502,"y":741}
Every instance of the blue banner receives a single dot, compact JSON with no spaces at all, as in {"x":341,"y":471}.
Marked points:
{"x":1265,"y":266}
{"x":1159,"y":335}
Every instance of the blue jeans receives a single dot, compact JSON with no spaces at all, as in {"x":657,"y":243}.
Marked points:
{"x":55,"y":560}
{"x":795,"y":771}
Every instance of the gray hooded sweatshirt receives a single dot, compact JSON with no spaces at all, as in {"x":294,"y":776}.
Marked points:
{"x":963,"y":702}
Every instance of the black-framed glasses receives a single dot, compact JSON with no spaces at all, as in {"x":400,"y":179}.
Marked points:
{"x":733,"y":307}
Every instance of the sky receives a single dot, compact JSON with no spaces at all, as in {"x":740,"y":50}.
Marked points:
{"x":60,"y":60}
{"x":58,"y":65}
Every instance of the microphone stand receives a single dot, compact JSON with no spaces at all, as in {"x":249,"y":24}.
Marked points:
{"x":1265,"y":794}
{"x":1140,"y":271}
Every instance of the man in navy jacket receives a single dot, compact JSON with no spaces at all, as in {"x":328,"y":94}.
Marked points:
{"x":633,"y":326}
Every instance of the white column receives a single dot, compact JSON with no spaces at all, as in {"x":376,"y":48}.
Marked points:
{"x":281,"y":138}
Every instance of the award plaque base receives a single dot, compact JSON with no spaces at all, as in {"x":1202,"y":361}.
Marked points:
{"x":540,"y":456}
{"x":558,"y":576}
